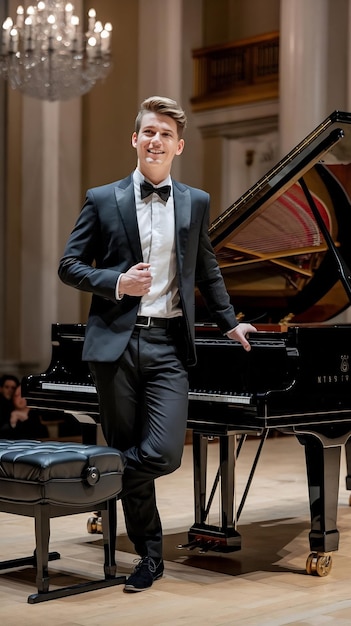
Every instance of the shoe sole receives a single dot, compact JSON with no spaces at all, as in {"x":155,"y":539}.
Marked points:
{"x":131,"y":589}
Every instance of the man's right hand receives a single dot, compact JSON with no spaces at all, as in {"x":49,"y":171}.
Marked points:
{"x":136,"y":281}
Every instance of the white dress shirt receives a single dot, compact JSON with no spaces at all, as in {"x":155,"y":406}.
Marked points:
{"x":157,"y":236}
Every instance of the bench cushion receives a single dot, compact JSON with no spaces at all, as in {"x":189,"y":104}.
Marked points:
{"x":59,"y":473}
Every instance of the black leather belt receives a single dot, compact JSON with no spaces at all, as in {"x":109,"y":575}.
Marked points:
{"x":142,"y":321}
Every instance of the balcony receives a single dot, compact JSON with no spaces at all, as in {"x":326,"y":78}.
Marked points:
{"x":236,"y":73}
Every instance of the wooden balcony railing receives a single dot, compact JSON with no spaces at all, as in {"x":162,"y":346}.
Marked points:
{"x":236,"y":73}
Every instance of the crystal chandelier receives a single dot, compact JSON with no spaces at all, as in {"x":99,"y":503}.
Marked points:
{"x":44,"y":53}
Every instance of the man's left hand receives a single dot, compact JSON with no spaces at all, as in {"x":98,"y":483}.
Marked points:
{"x":239,"y":334}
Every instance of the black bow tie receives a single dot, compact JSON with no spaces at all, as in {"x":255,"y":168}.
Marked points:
{"x":146,"y":189}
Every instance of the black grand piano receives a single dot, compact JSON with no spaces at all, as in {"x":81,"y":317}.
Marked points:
{"x":284,"y":250}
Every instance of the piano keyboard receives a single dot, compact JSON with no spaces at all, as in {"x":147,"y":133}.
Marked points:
{"x":227,"y":398}
{"x":205,"y":396}
{"x":68,"y":387}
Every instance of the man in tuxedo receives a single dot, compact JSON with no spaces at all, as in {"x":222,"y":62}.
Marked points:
{"x":140,"y":245}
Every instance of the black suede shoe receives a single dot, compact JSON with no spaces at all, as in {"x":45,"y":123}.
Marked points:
{"x":145,"y":573}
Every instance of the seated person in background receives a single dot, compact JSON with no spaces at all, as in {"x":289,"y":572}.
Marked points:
{"x":8,"y":386}
{"x":25,"y":422}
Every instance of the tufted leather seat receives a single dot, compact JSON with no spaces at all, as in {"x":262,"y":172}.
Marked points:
{"x":58,"y":473}
{"x":52,"y":479}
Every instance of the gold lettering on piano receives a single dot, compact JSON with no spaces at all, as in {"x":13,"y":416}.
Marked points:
{"x":337,"y":378}
{"x":332,"y":378}
{"x":345,"y":366}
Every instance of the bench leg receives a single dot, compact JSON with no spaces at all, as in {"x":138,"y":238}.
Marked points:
{"x":42,"y":537}
{"x":41,"y":554}
{"x":109,"y":524}
{"x":109,"y":530}
{"x":42,"y":515}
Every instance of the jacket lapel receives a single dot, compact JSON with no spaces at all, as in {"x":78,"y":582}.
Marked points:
{"x":125,"y":199}
{"x":182,"y":213}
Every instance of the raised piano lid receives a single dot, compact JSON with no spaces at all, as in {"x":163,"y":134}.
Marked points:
{"x":275,"y":259}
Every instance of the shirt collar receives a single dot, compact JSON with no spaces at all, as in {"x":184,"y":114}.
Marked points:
{"x":139,"y":178}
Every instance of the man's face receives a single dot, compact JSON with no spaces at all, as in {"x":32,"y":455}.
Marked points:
{"x":8,"y":389}
{"x":157,"y":144}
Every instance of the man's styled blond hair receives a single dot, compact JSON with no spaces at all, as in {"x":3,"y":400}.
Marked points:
{"x":165,"y":106}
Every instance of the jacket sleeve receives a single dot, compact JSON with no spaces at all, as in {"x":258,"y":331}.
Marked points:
{"x":82,"y":263}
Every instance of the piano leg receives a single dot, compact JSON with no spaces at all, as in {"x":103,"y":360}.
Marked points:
{"x":200,"y":446}
{"x":323,"y":465}
{"x":227,"y":457}
{"x":223,"y":538}
{"x":348,"y":466}
{"x":323,"y":452}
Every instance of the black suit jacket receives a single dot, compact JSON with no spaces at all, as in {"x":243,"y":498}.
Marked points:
{"x":105,"y":242}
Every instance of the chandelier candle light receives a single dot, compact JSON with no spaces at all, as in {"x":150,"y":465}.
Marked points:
{"x":44,"y":54}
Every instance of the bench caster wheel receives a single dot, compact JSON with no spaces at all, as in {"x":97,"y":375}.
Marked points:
{"x":319,"y":563}
{"x":94,"y":525}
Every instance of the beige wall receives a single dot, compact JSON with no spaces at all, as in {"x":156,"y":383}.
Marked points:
{"x":10,"y":297}
{"x":229,"y":20}
{"x":109,"y":109}
{"x":213,"y":166}
{"x":12,"y":226}
{"x":337,"y":44}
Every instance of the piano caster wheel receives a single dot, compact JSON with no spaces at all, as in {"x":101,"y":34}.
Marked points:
{"x":94,"y":525}
{"x":319,"y":564}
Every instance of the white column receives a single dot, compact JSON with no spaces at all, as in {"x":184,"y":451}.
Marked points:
{"x":160,"y":51}
{"x":51,"y":200}
{"x":160,"y":48}
{"x":50,"y":197}
{"x":303,"y":69}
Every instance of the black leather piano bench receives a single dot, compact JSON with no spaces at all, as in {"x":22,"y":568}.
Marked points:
{"x":44,"y":480}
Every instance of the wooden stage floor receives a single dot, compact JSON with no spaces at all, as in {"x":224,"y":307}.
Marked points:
{"x":263,"y":584}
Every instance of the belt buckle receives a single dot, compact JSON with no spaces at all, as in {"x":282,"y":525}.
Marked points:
{"x":145,"y":325}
